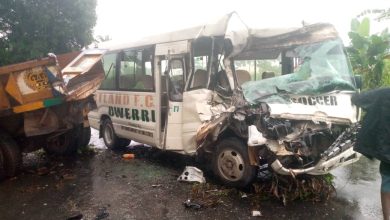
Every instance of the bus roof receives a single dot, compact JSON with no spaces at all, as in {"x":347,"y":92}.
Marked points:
{"x":238,"y":32}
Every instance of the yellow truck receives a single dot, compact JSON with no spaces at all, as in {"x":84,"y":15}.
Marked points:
{"x":44,"y":104}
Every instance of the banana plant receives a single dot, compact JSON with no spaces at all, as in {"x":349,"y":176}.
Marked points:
{"x":370,"y":54}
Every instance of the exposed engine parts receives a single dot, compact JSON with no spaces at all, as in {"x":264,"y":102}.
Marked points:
{"x":291,"y":144}
{"x":275,"y":128}
{"x":343,"y":142}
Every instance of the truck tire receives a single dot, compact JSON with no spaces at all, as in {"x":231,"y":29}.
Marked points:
{"x":12,"y":156}
{"x":110,"y":139}
{"x":84,"y":137}
{"x":231,"y":163}
{"x":64,"y":144}
{"x":2,"y":170}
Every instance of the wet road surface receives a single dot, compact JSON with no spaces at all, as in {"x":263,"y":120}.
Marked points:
{"x":104,"y":186}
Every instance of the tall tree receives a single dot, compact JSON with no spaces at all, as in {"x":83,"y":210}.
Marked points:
{"x":32,"y":28}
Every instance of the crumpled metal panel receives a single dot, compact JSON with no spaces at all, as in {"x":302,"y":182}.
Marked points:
{"x":192,"y":174}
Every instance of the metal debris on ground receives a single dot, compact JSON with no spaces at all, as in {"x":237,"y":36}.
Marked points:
{"x":256,"y":213}
{"x":189,"y":204}
{"x":102,"y":214}
{"x":192,"y":174}
{"x":76,"y":217}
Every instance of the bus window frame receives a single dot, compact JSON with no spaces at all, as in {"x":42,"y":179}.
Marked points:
{"x":120,"y":57}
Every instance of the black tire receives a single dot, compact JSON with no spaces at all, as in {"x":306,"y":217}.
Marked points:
{"x":12,"y":156}
{"x":84,"y":137}
{"x":110,"y":139}
{"x":231,"y":163}
{"x":123,"y":142}
{"x":2,"y":170}
{"x":64,"y":144}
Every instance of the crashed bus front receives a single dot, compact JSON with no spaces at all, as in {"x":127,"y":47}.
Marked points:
{"x":292,"y":104}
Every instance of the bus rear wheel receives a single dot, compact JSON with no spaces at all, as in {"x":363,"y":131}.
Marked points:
{"x":110,"y":139}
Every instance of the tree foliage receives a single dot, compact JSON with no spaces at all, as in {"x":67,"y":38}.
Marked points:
{"x":369,"y":54}
{"x":32,"y":28}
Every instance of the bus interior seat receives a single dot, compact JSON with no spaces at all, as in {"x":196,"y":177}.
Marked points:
{"x":144,"y":82}
{"x":126,"y":81}
{"x":242,"y":76}
{"x":148,"y":82}
{"x":200,"y":79}
{"x":267,"y":74}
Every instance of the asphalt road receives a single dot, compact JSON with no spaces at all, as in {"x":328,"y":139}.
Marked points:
{"x":104,"y":186}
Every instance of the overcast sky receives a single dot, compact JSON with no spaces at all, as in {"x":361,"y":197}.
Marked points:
{"x":124,"y":19}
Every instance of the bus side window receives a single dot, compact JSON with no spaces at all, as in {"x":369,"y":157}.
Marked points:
{"x":109,"y":66}
{"x":200,"y":78}
{"x":201,"y":53}
{"x":176,"y":78}
{"x":135,"y":72}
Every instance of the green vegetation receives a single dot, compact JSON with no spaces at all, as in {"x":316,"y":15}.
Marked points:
{"x":283,"y":188}
{"x":30,"y":29}
{"x":370,"y":53}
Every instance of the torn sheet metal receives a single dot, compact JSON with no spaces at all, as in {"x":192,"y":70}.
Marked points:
{"x":84,"y":74}
{"x":212,"y":127}
{"x":309,"y":148}
{"x":38,"y":84}
{"x":192,"y":174}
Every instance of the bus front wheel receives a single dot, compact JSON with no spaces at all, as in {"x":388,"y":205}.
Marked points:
{"x":231,"y":163}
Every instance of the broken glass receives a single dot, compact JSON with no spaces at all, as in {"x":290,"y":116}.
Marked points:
{"x":323,"y":67}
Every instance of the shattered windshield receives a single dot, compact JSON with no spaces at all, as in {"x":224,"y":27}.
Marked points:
{"x":315,"y":69}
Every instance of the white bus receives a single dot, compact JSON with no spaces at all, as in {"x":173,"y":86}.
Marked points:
{"x":239,"y":97}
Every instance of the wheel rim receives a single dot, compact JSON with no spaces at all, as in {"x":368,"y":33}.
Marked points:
{"x":108,"y":134}
{"x":231,"y":165}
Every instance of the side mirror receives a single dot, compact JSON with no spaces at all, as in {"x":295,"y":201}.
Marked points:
{"x":358,"y":81}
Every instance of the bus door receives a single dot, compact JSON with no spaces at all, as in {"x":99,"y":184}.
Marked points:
{"x":173,"y":59}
